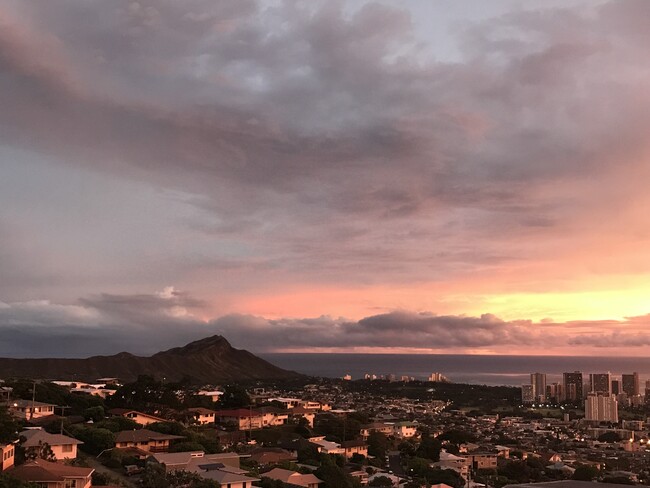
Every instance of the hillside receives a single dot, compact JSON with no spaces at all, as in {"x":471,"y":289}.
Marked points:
{"x":209,"y":360}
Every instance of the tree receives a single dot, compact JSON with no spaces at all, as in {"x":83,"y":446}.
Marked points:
{"x":609,"y":437}
{"x":8,"y":481}
{"x":419,"y":466}
{"x":333,"y":475}
{"x":446,"y":476}
{"x":357,"y":458}
{"x":102,"y":479}
{"x":95,"y":439}
{"x":377,"y":444}
{"x":117,"y":424}
{"x":406,"y":449}
{"x":8,"y":426}
{"x":457,"y":436}
{"x":234,"y":396}
{"x":429,"y":448}
{"x":381,"y":481}
{"x":585,"y":473}
{"x":41,"y":451}
{"x":96,"y":413}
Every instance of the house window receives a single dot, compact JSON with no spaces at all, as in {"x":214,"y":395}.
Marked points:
{"x":70,"y":484}
{"x":66,"y":447}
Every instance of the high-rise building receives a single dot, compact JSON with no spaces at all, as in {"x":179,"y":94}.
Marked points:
{"x":601,"y":408}
{"x":630,"y":383}
{"x":554,"y":392}
{"x":527,"y":394}
{"x":538,"y":381}
{"x":616,"y":387}
{"x":600,"y":383}
{"x":572,"y":383}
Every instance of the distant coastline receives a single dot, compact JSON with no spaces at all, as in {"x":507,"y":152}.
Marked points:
{"x":459,"y":368}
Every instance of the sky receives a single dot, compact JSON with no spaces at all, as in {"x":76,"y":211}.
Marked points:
{"x":352,"y":176}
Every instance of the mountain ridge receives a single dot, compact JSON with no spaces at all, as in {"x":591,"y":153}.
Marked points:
{"x":208,"y":360}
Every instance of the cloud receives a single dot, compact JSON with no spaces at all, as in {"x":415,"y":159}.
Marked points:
{"x":325,"y":143}
{"x":147,"y":323}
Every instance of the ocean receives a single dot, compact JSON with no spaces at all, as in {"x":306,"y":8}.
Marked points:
{"x":459,"y":368}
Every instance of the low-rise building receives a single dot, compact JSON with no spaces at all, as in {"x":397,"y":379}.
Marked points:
{"x":138,"y":417}
{"x":202,"y":415}
{"x":191,"y":461}
{"x":451,"y":461}
{"x":481,"y":460}
{"x":244,"y":419}
{"x":29,"y":410}
{"x":326,"y":447}
{"x":355,"y":447}
{"x":293,"y":478}
{"x":63,"y":447}
{"x":405,"y":430}
{"x":382,"y":427}
{"x":145,"y":440}
{"x":7,"y":455}
{"x":45,"y":474}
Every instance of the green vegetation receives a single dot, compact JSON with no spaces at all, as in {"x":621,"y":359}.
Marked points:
{"x":9,"y":428}
{"x":8,"y":481}
{"x":95,"y":439}
{"x":332,"y":473}
{"x":196,"y":438}
{"x":585,"y":473}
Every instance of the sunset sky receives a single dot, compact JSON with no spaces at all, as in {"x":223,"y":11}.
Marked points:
{"x":424,"y":175}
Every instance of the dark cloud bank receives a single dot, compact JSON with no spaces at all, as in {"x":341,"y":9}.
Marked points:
{"x":144,"y":324}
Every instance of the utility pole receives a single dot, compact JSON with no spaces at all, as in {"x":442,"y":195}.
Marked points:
{"x":63,"y":408}
{"x":31,"y":414}
{"x":250,"y":423}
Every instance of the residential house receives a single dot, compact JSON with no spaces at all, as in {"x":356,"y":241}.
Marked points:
{"x":327,"y":447}
{"x":353,"y":447}
{"x":202,"y":415}
{"x":405,"y":430}
{"x":503,"y":451}
{"x":5,"y":393}
{"x":309,"y":405}
{"x":145,"y":440}
{"x":223,"y":467}
{"x":138,"y":417}
{"x":481,"y":460}
{"x":382,"y":427}
{"x":226,"y":478}
{"x":272,"y":416}
{"x":212,"y":394}
{"x":451,"y":461}
{"x":271,"y":455}
{"x":286,"y":402}
{"x":301,"y":412}
{"x":244,"y":419}
{"x":293,"y":478}
{"x":192,"y":461}
{"x":28,"y":409}
{"x":95,"y":390}
{"x":63,"y":447}
{"x":360,"y":475}
{"x":7,"y":453}
{"x":45,"y":474}
{"x":240,"y":418}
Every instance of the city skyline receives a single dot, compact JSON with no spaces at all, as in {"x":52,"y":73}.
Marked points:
{"x":357,"y":176}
